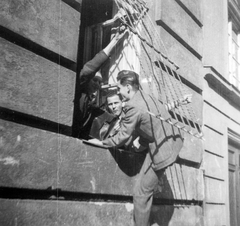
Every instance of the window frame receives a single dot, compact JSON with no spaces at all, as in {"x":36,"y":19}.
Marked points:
{"x":234,"y":27}
{"x":234,"y":56}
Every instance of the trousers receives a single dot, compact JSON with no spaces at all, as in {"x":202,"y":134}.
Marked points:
{"x":146,"y":181}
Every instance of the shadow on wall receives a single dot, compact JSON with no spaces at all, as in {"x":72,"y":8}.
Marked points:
{"x":162,"y":210}
{"x":161,"y":215}
{"x":171,"y":188}
{"x":174,"y":189}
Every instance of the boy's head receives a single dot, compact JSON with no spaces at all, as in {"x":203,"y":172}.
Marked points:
{"x":95,"y":83}
{"x":114,"y":103}
{"x":128,"y":83}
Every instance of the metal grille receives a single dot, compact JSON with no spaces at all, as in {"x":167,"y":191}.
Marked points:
{"x":156,"y":67}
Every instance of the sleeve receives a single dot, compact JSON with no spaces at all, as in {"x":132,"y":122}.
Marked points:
{"x":91,"y":67}
{"x":143,"y":141}
{"x":128,"y":125}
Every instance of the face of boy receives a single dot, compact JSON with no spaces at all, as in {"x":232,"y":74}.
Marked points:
{"x":94,"y":84}
{"x":114,"y":105}
{"x":124,"y":91}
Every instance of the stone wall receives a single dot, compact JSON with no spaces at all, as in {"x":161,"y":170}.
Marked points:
{"x":51,"y":178}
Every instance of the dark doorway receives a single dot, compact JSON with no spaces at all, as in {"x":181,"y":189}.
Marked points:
{"x":234,"y":181}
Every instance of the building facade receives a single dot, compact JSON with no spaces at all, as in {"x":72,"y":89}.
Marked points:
{"x":50,"y":176}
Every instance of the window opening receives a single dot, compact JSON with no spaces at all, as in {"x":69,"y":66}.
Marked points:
{"x":234,"y":57}
{"x":234,"y":46}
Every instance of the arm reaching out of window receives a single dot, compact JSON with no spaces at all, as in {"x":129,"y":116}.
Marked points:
{"x":120,"y":32}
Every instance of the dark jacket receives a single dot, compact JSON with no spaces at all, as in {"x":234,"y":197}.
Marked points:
{"x":89,"y":70}
{"x":164,"y":140}
{"x":87,"y":111}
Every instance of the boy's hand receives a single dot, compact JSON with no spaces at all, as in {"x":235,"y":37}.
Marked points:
{"x":95,"y":141}
{"x":119,"y":32}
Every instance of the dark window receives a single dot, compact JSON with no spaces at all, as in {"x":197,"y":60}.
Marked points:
{"x":234,"y":182}
{"x":93,"y":38}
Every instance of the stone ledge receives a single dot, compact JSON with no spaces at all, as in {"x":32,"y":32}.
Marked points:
{"x":37,"y":159}
{"x":48,"y":213}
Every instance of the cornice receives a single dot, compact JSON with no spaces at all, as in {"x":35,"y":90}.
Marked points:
{"x":234,"y":138}
{"x":222,"y":86}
